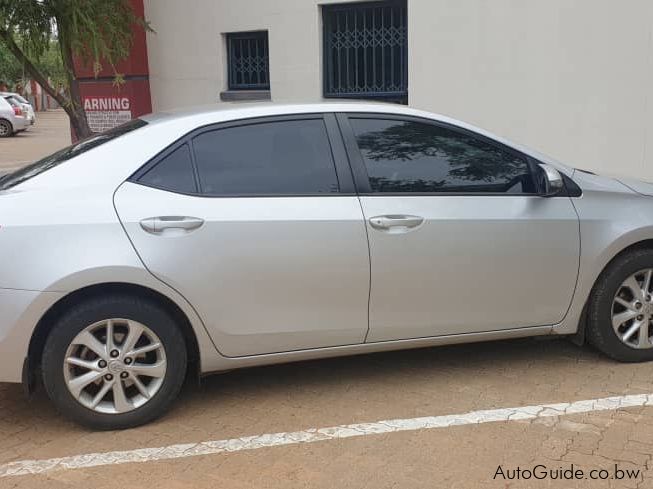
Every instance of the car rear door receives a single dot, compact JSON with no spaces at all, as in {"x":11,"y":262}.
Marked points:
{"x":460,"y":242}
{"x":258,"y":225}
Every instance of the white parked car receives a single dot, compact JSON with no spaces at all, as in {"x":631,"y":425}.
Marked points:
{"x":12,"y":117}
{"x":214,"y":240}
{"x":25,"y":105}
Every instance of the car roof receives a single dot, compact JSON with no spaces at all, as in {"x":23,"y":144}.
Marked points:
{"x":239,"y":110}
{"x":232,"y":111}
{"x":213,"y":114}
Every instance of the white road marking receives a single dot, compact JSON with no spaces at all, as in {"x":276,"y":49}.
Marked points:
{"x":141,"y":455}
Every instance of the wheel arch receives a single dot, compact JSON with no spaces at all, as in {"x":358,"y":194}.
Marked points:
{"x":8,"y":121}
{"x":579,"y":337}
{"x":44,"y":325}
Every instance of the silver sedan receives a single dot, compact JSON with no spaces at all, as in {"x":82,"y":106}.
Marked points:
{"x":220,"y":239}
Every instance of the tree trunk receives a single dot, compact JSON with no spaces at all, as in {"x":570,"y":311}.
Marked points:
{"x":79,"y":122}
{"x":72,"y":106}
{"x":77,"y":115}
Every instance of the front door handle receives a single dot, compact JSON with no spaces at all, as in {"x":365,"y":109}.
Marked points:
{"x":157,"y":225}
{"x":396,"y":222}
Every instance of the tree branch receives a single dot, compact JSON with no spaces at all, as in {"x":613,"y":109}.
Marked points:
{"x":33,"y":71}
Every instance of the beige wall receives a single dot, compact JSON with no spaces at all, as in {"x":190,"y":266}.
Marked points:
{"x":571,"y":78}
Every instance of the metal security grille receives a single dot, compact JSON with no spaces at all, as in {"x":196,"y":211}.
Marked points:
{"x":248,"y":61}
{"x":366,"y":50}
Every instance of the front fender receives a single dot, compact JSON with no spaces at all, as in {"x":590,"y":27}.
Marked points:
{"x":610,"y":222}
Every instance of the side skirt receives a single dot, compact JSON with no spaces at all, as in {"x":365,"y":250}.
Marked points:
{"x":221,"y":364}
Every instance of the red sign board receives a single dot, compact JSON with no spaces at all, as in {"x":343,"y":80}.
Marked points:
{"x":107,"y":104}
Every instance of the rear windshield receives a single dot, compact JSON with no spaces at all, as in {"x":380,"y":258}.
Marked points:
{"x":34,"y":169}
{"x":13,"y":101}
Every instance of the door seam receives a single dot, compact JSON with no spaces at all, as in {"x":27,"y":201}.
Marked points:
{"x":369,"y":260}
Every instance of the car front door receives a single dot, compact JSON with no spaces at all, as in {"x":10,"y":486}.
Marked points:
{"x":460,"y":242}
{"x":258,"y":225}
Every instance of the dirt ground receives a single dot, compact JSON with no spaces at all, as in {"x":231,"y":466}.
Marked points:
{"x":409,"y":384}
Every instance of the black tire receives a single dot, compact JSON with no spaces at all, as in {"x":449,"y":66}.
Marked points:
{"x":76,"y":319}
{"x":599,"y":313}
{"x":7,"y":129}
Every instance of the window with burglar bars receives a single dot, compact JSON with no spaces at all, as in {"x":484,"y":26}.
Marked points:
{"x":249,"y":67}
{"x":366,"y":50}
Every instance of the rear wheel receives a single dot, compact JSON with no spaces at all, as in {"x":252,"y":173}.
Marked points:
{"x":620,"y":313}
{"x":6,"y":129}
{"x":114,"y":362}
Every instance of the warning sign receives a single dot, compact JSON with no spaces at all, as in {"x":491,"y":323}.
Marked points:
{"x":105,"y":113}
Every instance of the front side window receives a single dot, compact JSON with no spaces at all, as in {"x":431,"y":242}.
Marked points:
{"x":405,"y":156}
{"x":248,"y":61}
{"x":271,"y":158}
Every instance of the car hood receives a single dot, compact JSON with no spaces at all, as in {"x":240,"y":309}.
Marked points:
{"x":639,"y":186}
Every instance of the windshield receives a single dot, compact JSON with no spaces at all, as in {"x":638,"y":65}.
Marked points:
{"x":30,"y":171}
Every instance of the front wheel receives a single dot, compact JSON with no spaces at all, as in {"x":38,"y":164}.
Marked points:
{"x":114,"y":362}
{"x":620,"y":310}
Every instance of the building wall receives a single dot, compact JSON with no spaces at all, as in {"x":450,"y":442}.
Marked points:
{"x":571,"y":78}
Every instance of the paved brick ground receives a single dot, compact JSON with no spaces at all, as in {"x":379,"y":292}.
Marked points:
{"x":369,"y":388}
{"x":407,"y":384}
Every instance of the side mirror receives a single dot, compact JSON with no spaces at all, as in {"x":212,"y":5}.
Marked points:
{"x":552,"y":181}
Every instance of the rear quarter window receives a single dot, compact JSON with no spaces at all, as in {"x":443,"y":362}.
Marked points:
{"x":174,"y":172}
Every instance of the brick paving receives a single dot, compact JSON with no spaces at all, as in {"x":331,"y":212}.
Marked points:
{"x":368,"y":388}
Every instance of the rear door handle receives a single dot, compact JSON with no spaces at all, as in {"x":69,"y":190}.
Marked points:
{"x":157,"y":225}
{"x":396,"y":222}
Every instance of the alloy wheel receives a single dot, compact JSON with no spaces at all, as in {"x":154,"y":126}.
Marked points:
{"x":632,"y":310}
{"x":115,"y":366}
{"x":5,"y":129}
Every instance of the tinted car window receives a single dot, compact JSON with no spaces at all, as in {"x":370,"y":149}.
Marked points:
{"x":404,"y":156}
{"x":20,"y":98}
{"x":13,"y":101}
{"x":174,"y":172}
{"x":289,"y":157}
{"x":63,"y":155}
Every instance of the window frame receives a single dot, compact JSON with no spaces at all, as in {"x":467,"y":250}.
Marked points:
{"x":338,"y":154}
{"x":246,"y":35}
{"x":327,"y":61}
{"x":359,"y":169}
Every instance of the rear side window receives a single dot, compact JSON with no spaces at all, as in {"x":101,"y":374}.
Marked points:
{"x":174,"y":172}
{"x":271,"y":158}
{"x":412,"y":157}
